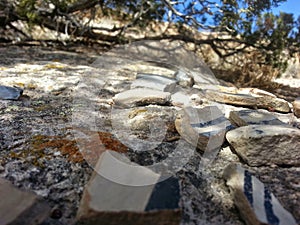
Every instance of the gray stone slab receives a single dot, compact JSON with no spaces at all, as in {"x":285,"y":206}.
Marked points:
{"x":19,"y":207}
{"x":10,"y":93}
{"x":120,"y":192}
{"x":256,"y":204}
{"x":204,"y":128}
{"x":251,"y":117}
{"x":155,"y":82}
{"x":140,"y":97}
{"x":261,"y":145}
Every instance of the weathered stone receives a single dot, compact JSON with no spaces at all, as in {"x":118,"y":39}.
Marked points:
{"x":204,"y":128}
{"x":141,"y":96}
{"x":255,"y":91}
{"x":20,"y":207}
{"x":256,"y":204}
{"x":296,"y":107}
{"x":249,"y":97}
{"x":266,"y":144}
{"x":10,"y":93}
{"x":120,"y":192}
{"x":143,"y":128}
{"x":250,"y":117}
{"x":155,"y":82}
{"x":229,"y":98}
{"x":184,"y":79}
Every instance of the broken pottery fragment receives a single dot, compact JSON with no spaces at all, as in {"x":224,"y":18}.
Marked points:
{"x":251,"y":117}
{"x":296,"y":107}
{"x":230,"y":98}
{"x":125,"y":193}
{"x":204,"y":128}
{"x":256,"y":204}
{"x":155,"y":82}
{"x":10,"y":93}
{"x":20,"y":207}
{"x":261,"y":145}
{"x":140,"y":97}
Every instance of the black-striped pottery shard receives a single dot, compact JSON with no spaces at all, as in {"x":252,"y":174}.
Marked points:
{"x":10,"y":93}
{"x":20,"y":207}
{"x":124,"y":193}
{"x":251,"y":117}
{"x":204,"y":128}
{"x":256,"y":204}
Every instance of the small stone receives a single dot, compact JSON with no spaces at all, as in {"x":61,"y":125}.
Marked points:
{"x":10,"y":93}
{"x":184,"y":79}
{"x":155,"y":82}
{"x":124,"y":193}
{"x":230,"y":98}
{"x":140,"y":97}
{"x":56,"y":214}
{"x":204,"y":128}
{"x":256,"y":204}
{"x":296,"y":107}
{"x":251,"y":117}
{"x":20,"y":207}
{"x":260,"y":145}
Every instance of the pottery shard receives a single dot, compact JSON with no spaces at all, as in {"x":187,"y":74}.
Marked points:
{"x":156,"y":82}
{"x":140,"y":97}
{"x":10,"y":93}
{"x":261,"y":145}
{"x":121,"y":192}
{"x":204,"y":128}
{"x":296,"y":107}
{"x":251,"y":117}
{"x":256,"y":204}
{"x":230,"y":98}
{"x":20,"y":207}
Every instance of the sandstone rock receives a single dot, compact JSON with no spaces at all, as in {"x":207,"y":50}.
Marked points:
{"x":125,"y":193}
{"x":250,"y":98}
{"x":266,"y":144}
{"x":10,"y":93}
{"x":250,"y":117}
{"x":204,"y":128}
{"x":20,"y":207}
{"x":296,"y":107}
{"x":256,"y":204}
{"x":230,"y":98}
{"x":141,"y":96}
{"x":155,"y":82}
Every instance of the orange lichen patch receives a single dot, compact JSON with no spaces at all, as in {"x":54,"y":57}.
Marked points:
{"x":96,"y":143}
{"x":89,"y":148}
{"x":67,"y":147}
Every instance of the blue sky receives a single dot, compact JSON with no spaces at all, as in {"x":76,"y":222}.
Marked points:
{"x":290,"y":6}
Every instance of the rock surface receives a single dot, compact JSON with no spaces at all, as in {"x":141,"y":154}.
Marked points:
{"x":256,"y":204}
{"x":50,"y":142}
{"x":261,"y":145}
{"x":20,"y":207}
